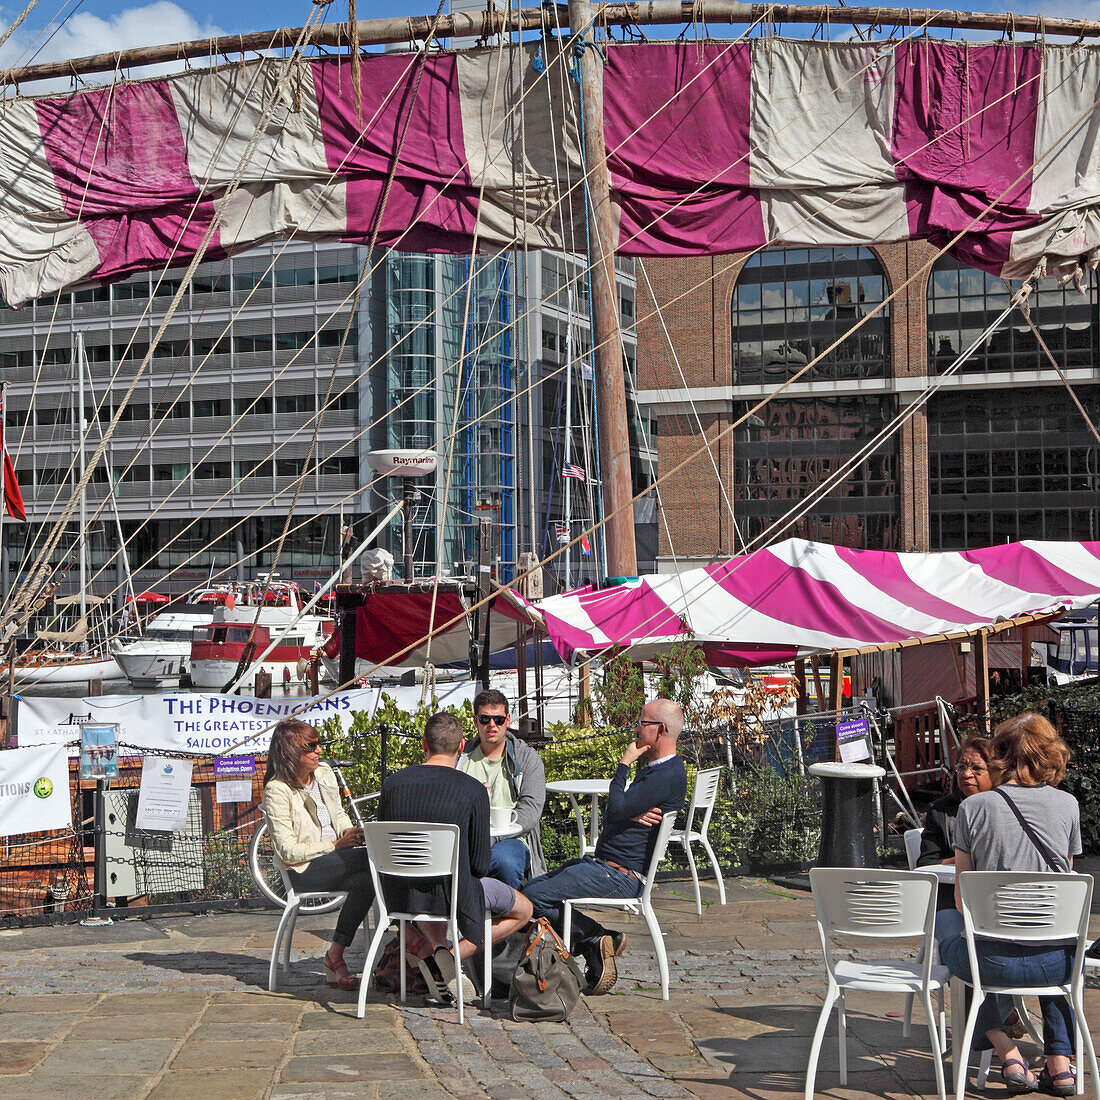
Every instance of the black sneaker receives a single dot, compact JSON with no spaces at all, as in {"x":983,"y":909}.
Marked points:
{"x":618,"y":941}
{"x":1093,"y":950}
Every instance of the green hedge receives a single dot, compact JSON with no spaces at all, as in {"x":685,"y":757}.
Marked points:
{"x":761,"y":819}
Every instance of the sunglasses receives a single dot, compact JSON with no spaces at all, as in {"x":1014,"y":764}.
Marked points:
{"x":496,"y":719}
{"x":311,"y":746}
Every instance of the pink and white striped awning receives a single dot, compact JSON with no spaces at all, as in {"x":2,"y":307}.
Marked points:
{"x":799,"y":598}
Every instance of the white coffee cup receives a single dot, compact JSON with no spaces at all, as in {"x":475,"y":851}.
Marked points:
{"x":501,"y":817}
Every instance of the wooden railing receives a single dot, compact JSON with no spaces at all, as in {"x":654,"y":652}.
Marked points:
{"x":918,"y":745}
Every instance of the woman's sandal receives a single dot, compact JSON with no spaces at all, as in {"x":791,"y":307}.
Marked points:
{"x":338,"y":976}
{"x":1058,"y":1084}
{"x":1018,"y":1082}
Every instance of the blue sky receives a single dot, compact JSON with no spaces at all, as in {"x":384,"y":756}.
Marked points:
{"x":59,"y":29}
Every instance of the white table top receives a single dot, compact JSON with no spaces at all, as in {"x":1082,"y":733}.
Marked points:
{"x":580,"y":786}
{"x":945,"y":872}
{"x":514,"y":829}
{"x":846,"y":771}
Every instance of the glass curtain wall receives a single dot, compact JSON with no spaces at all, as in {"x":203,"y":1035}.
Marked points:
{"x":440,"y":383}
{"x":789,"y":306}
{"x":1015,"y":462}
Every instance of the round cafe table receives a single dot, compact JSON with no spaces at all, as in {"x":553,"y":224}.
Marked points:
{"x":513,"y":829}
{"x":847,"y":835}
{"x":576,"y":789}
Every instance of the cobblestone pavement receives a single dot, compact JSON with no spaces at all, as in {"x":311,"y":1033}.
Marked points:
{"x":177,"y":1007}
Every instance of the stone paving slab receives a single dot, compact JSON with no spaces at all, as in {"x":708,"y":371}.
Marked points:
{"x":177,"y":1007}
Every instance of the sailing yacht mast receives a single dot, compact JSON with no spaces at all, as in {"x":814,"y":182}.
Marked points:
{"x":567,"y":459}
{"x":82,"y":428}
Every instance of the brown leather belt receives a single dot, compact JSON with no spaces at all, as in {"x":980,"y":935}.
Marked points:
{"x":620,"y":867}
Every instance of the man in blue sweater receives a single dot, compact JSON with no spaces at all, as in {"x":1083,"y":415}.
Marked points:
{"x":617,"y":868}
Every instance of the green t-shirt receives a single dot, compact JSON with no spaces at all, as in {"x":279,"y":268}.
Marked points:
{"x":491,"y":773}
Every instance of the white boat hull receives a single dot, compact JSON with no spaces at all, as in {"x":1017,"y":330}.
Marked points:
{"x":71,"y":670}
{"x":144,"y":665}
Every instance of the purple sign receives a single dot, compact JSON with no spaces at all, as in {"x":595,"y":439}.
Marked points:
{"x":234,"y":767}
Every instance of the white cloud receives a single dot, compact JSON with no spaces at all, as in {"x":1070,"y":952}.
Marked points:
{"x":85,"y":34}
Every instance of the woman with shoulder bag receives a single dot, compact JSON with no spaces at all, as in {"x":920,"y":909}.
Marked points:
{"x":1025,"y":824}
{"x":314,"y":838}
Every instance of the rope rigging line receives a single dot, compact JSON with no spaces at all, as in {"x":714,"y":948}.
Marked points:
{"x":37,"y":579}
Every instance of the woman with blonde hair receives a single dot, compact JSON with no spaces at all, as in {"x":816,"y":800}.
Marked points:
{"x":313,"y":837}
{"x":1024,"y":824}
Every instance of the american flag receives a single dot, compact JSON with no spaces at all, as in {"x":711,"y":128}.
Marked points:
{"x":576,"y":472}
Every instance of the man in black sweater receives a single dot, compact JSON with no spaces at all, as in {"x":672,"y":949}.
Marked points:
{"x":619,"y":865}
{"x":436,"y":792}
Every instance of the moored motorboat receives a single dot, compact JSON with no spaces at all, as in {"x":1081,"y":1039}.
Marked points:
{"x":237,"y":635}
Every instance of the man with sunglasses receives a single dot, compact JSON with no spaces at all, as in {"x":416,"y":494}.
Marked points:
{"x":515,"y":779}
{"x":618,"y":866}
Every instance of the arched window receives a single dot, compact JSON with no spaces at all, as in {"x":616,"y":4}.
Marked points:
{"x":790,"y":304}
{"x":963,"y":302}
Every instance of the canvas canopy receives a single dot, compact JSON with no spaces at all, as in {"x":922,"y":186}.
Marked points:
{"x":712,"y":147}
{"x":798,"y":598}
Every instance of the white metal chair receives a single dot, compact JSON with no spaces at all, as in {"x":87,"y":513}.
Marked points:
{"x":702,"y":801}
{"x":877,"y":904}
{"x":284,"y":934}
{"x":641,"y":906}
{"x":416,"y":850}
{"x":1031,"y":907}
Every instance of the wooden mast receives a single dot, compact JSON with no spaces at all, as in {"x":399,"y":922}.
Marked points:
{"x":616,"y":486}
{"x":376,"y":32}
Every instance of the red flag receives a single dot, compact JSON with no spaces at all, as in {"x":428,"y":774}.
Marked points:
{"x":13,"y":498}
{"x":586,"y":546}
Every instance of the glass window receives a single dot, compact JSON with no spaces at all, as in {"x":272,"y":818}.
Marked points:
{"x":252,"y":406}
{"x":790,"y":446}
{"x":963,"y":302}
{"x":791,"y":304}
{"x":1012,"y":464}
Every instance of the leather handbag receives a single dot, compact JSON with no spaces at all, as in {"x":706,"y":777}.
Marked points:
{"x":547,"y":981}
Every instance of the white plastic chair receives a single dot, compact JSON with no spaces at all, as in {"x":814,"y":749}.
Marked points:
{"x":912,"y":839}
{"x":1025,"y":907}
{"x":912,"y":854}
{"x":702,"y":800}
{"x":417,"y":850}
{"x":284,"y":934}
{"x":877,"y":904}
{"x":641,"y":906}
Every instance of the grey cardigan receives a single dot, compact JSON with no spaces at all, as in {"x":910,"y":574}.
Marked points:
{"x":527,"y":782}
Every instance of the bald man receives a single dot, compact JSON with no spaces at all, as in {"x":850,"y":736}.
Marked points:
{"x":617,"y":868}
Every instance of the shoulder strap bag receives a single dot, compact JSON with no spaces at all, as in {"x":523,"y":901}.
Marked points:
{"x":547,"y":981}
{"x":1040,"y":847}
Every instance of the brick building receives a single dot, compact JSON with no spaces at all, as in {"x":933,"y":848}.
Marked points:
{"x":999,"y":451}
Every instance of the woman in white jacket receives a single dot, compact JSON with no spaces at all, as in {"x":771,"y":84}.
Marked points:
{"x":313,"y":837}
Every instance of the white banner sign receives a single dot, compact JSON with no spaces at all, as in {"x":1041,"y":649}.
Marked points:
{"x":195,"y":724}
{"x":34,"y":790}
{"x":162,"y":799}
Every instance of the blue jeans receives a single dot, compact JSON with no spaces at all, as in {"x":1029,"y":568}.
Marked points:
{"x":509,"y":861}
{"x":586,"y":877}
{"x":1004,"y":963}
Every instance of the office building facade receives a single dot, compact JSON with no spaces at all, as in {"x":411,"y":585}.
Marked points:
{"x":996,"y":451}
{"x":223,"y":435}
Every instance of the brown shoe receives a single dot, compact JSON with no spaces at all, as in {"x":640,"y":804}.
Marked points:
{"x":606,"y":972}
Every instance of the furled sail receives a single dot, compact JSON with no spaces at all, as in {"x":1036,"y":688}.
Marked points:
{"x":712,"y":146}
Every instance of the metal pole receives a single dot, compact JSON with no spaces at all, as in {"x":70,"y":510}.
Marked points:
{"x":410,"y":494}
{"x":609,"y":383}
{"x":99,"y":874}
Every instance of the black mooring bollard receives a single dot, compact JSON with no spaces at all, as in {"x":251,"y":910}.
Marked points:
{"x":847,"y":832}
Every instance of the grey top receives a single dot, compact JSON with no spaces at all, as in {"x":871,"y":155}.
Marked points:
{"x":988,"y":831}
{"x":527,"y":784}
